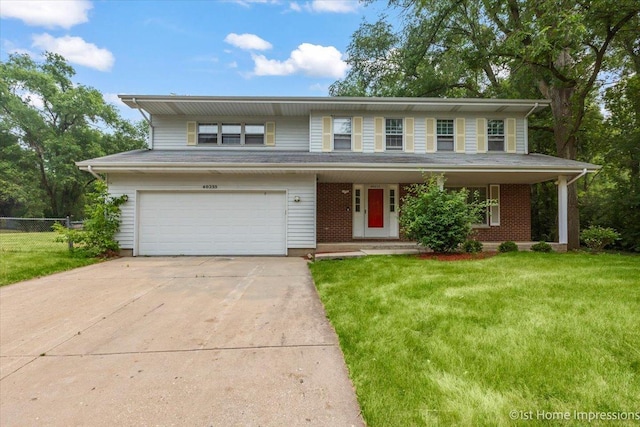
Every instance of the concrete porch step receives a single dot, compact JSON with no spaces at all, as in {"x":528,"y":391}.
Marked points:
{"x":360,"y":249}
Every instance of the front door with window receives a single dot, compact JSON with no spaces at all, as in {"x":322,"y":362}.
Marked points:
{"x":375,"y":211}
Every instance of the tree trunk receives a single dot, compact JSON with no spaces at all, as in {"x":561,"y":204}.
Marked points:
{"x":565,"y":139}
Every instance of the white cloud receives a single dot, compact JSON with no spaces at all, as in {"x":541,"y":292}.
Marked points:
{"x":334,"y":6}
{"x":46,"y":13}
{"x":247,"y":41}
{"x":248,"y":3}
{"x":112,"y":98}
{"x":75,"y":50}
{"x":232,"y":64}
{"x":33,"y":99}
{"x":295,"y":7}
{"x":317,"y":87}
{"x":308,"y":59}
{"x":206,"y":58}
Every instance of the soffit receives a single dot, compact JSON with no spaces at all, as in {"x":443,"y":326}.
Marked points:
{"x":300,"y":106}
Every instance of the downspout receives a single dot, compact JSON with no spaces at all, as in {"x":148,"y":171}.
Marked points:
{"x":526,"y":116}
{"x":526,"y":128}
{"x":98,"y":177}
{"x":583,"y":173}
{"x":148,"y":120}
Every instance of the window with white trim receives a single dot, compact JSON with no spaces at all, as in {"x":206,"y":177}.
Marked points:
{"x":477,"y":194}
{"x":231,"y":133}
{"x":444,"y":134}
{"x":254,"y":134}
{"x":207,"y":133}
{"x":392,"y":200}
{"x":357,"y":200}
{"x":342,"y":133}
{"x":495,"y":135}
{"x":393,"y":130}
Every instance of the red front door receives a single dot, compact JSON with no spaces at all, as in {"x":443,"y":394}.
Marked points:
{"x":376,"y":207}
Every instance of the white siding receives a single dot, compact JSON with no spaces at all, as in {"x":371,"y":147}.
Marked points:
{"x":470,"y":132}
{"x":301,"y":219}
{"x":520,"y":136}
{"x":170,"y":132}
{"x":315,"y":133}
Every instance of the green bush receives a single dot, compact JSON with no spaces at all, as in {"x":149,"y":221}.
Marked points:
{"x":541,"y":247}
{"x":97,"y":238}
{"x":437,"y":218}
{"x":597,"y":238}
{"x":508,"y":246}
{"x":472,"y":246}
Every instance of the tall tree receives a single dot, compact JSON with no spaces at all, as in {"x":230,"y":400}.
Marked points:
{"x":495,"y":47}
{"x":48,"y":123}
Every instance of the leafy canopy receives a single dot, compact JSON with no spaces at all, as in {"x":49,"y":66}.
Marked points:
{"x":47,"y":123}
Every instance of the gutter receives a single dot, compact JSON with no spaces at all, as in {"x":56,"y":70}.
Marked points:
{"x":526,"y":128}
{"x":148,"y":120}
{"x":249,"y":168}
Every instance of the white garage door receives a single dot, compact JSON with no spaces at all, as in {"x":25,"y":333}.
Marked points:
{"x":239,"y":223}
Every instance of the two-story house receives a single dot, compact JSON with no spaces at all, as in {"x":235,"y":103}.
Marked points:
{"x":282,"y":175}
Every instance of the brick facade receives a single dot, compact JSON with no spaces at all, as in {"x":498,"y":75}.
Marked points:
{"x":515,"y":216}
{"x":335,"y":218}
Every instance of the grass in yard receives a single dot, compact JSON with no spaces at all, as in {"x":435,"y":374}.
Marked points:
{"x":465,"y":343}
{"x":27,"y":255}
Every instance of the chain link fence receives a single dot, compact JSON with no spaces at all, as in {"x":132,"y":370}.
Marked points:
{"x":32,"y":234}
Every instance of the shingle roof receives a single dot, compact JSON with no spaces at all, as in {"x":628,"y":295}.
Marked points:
{"x":215,"y":158}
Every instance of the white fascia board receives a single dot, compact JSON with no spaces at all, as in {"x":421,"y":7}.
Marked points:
{"x":313,"y":168}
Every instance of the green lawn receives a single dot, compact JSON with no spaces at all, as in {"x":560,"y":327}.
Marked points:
{"x":27,"y":255}
{"x":465,"y":343}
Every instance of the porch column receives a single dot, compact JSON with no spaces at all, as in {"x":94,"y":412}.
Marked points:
{"x":440,"y":181}
{"x":563,"y":235}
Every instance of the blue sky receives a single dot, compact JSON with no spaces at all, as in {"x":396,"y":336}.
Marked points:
{"x":211,"y":47}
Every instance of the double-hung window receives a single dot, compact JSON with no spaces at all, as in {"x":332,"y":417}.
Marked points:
{"x":479,"y":195}
{"x":393,"y":134}
{"x":445,"y":136}
{"x":253,"y":134}
{"x":231,"y":134}
{"x":495,"y":135}
{"x":342,"y":133}
{"x":208,"y":133}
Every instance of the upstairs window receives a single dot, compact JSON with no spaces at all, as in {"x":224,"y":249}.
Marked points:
{"x":393,"y":134}
{"x":495,"y":135}
{"x":254,"y":134}
{"x":444,"y":130}
{"x":208,"y":133}
{"x":342,"y":133}
{"x":231,"y":134}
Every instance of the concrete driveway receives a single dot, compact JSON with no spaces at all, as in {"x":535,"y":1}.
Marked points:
{"x":195,"y":341}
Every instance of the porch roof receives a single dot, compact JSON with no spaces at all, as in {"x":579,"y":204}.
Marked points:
{"x":348,"y":166}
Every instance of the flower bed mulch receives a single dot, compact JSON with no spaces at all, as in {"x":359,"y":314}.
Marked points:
{"x":456,"y":256}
